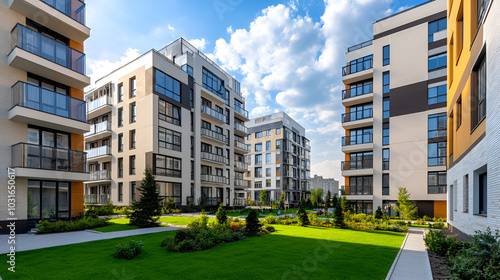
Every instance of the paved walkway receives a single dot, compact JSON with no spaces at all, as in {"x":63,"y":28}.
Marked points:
{"x":412,"y":261}
{"x":25,"y":242}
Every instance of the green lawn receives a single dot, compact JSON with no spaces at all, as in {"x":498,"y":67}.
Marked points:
{"x":310,"y":253}
{"x":116,"y":225}
{"x":181,"y":221}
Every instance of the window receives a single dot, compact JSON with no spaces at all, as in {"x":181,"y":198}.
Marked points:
{"x":386,"y":113}
{"x":385,"y":184}
{"x":386,"y":55}
{"x":482,"y":5}
{"x":435,"y":27}
{"x":166,"y":85}
{"x":132,"y":139}
{"x":168,"y":191}
{"x":483,"y":194}
{"x":258,"y":147}
{"x":120,"y":168}
{"x":132,"y":112}
{"x":268,"y":145}
{"x":437,"y":154}
{"x":132,"y":165}
{"x":120,"y":192}
{"x":437,"y":62}
{"x":268,"y":158}
{"x":436,"y":94}
{"x":258,"y":172}
{"x":237,"y":87}
{"x":360,"y":185}
{"x":132,"y":87}
{"x":386,"y":80}
{"x":459,"y":111}
{"x":214,"y":84}
{"x":359,"y":64}
{"x":120,"y":117}
{"x":359,"y":136}
{"x":278,"y":170}
{"x":385,"y":134}
{"x":358,"y":88}
{"x":167,"y":166}
{"x":132,"y":191}
{"x":191,"y":98}
{"x":385,"y":159}
{"x":268,"y":184}
{"x":437,"y":125}
{"x":169,"y":139}
{"x":188,"y":69}
{"x":460,"y":29}
{"x":258,"y":185}
{"x":278,"y":144}
{"x":358,"y":112}
{"x":43,"y":196}
{"x":249,"y":137}
{"x":120,"y":142}
{"x":278,"y":158}
{"x":258,"y":134}
{"x":465,"y":196}
{"x":268,"y":172}
{"x":268,"y":132}
{"x":478,"y":93}
{"x":436,"y":182}
{"x":258,"y":159}
{"x":169,"y":113}
{"x":278,"y":131}
{"x":120,"y":92}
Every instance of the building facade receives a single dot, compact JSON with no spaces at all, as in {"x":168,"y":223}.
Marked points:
{"x":327,"y":184}
{"x":474,"y":115}
{"x":43,"y":113}
{"x":176,"y":112}
{"x":279,"y":158}
{"x":395,"y":118}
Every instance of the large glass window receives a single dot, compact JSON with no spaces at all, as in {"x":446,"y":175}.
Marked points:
{"x":360,"y":136}
{"x":436,"y":182}
{"x":385,"y":134}
{"x":169,"y":190}
{"x":268,"y":158}
{"x":258,"y":134}
{"x":258,"y":172}
{"x":167,"y":166}
{"x":34,"y":205}
{"x":437,"y":154}
{"x":188,"y":69}
{"x":258,"y":159}
{"x":133,"y":87}
{"x":385,"y":184}
{"x":436,"y":26}
{"x":120,"y":92}
{"x":120,"y":142}
{"x":258,"y":147}
{"x":478,"y":93}
{"x":385,"y":159}
{"x":268,"y":145}
{"x":169,"y":139}
{"x":361,"y":185}
{"x":436,"y":94}
{"x":169,"y":113}
{"x":386,"y":113}
{"x":48,"y":199}
{"x":120,"y":116}
{"x":437,"y":125}
{"x":132,"y":165}
{"x":437,"y":62}
{"x":132,"y":112}
{"x":361,"y":64}
{"x":214,"y":84}
{"x":386,"y":82}
{"x":387,"y":55}
{"x":168,"y":86}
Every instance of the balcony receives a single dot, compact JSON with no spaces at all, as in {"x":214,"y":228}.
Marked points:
{"x":213,"y":201}
{"x":215,"y":179}
{"x":356,"y":72}
{"x":239,"y":165}
{"x":213,"y":114}
{"x":96,"y":199}
{"x":358,"y":190}
{"x":44,"y":56}
{"x":240,"y":128}
{"x":242,"y":112}
{"x":240,"y":202}
{"x":360,"y":95}
{"x":241,"y":183}
{"x":213,"y":157}
{"x":360,"y":46}
{"x":213,"y":135}
{"x":42,"y":162}
{"x":99,"y":106}
{"x":99,"y":152}
{"x":66,"y":17}
{"x":99,"y":130}
{"x":355,"y":143}
{"x":357,"y":119}
{"x":43,"y":107}
{"x":357,"y":167}
{"x":100,"y":175}
{"x":240,"y":146}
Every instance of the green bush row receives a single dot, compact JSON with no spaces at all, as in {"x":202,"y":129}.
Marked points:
{"x":63,"y":226}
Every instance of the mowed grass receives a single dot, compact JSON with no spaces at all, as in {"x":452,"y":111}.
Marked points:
{"x":291,"y":252}
{"x":181,"y":221}
{"x":116,"y":225}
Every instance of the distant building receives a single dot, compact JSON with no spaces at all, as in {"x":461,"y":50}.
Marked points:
{"x":327,"y":184}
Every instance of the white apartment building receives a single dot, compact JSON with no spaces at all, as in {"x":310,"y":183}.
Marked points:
{"x":327,"y":184}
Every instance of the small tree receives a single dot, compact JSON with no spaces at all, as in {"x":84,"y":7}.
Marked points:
{"x":334,"y":200}
{"x":221,"y":215}
{"x":263,"y":196}
{"x":147,"y":209}
{"x":338,"y":216}
{"x":309,"y":204}
{"x":252,"y":223}
{"x":282,"y":201}
{"x":379,"y":214}
{"x":327,"y":201}
{"x":303,"y":218}
{"x":404,"y":206}
{"x":345,"y":205}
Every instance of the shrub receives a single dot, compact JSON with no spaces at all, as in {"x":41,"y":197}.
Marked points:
{"x":221,"y":215}
{"x":269,"y":228}
{"x":379,"y":214}
{"x":313,"y":220}
{"x":128,"y":250}
{"x":80,"y":224}
{"x":270,"y":220}
{"x":252,"y":223}
{"x":427,"y":219}
{"x":437,"y":225}
{"x":420,"y":222}
{"x":437,"y":242}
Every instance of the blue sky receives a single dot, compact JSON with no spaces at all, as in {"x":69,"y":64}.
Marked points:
{"x":287,"y":54}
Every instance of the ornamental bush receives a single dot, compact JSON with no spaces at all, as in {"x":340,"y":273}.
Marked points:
{"x":437,"y":242}
{"x":302,"y":217}
{"x":128,"y":250}
{"x":252,"y":223}
{"x":63,"y":226}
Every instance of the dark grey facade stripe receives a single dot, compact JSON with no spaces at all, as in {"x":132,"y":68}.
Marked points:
{"x":410,"y":25}
{"x":437,"y":44}
{"x":437,"y":80}
{"x":453,"y":162}
{"x":409,"y":99}
{"x":266,"y":126}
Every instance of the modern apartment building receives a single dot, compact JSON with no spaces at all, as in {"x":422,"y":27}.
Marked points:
{"x":473,"y":115}
{"x":395,"y":112}
{"x":327,"y":184}
{"x":279,"y":158}
{"x":42,"y":110}
{"x":177,"y":112}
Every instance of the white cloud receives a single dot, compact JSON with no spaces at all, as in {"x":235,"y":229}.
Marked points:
{"x":328,"y":168}
{"x":199,"y":43}
{"x":100,"y":68}
{"x":170,"y":27}
{"x":260,"y":111}
{"x":229,"y":29}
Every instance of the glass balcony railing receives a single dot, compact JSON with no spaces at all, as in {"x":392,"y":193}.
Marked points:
{"x":99,"y":151}
{"x":357,"y":91}
{"x":211,"y":112}
{"x":96,"y":198}
{"x":357,"y":115}
{"x":241,"y":183}
{"x":241,"y":111}
{"x":213,"y":135}
{"x":240,"y":127}
{"x":99,"y":102}
{"x":100,"y":175}
{"x":240,"y":145}
{"x":98,"y":128}
{"x":357,"y":139}
{"x":48,"y":101}
{"x":74,"y":9}
{"x":358,"y":190}
{"x":49,"y":158}
{"x":240,"y":165}
{"x":48,"y":48}
{"x":214,"y":179}
{"x":213,"y":157}
{"x":357,"y":164}
{"x":357,"y":67}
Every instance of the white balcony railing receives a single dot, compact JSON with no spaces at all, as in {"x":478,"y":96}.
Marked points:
{"x":99,"y":151}
{"x":98,"y":128}
{"x":99,"y":102}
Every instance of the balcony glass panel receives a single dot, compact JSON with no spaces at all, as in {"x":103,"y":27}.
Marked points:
{"x":357,"y":115}
{"x":214,"y":113}
{"x":99,"y":151}
{"x":74,"y":9}
{"x":43,"y":157}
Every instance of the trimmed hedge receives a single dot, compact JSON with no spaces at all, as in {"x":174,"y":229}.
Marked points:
{"x":80,"y":224}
